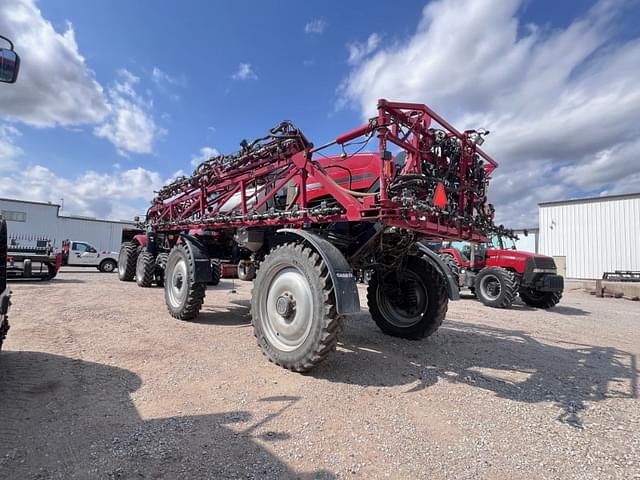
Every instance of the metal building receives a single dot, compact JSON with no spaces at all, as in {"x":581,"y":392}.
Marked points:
{"x":29,"y":221}
{"x":594,"y":235}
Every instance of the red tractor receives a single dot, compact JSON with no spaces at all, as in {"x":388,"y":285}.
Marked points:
{"x":304,"y":219}
{"x":496,"y":272}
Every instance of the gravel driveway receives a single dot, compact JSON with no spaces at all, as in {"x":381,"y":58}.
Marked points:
{"x":98,"y":381}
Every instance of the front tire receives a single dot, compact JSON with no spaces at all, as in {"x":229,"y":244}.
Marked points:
{"x":246,"y":271}
{"x":127,"y":261}
{"x":496,"y":287}
{"x":408,"y":303}
{"x":293,"y":308}
{"x":183,"y":296}
{"x":537,"y":299}
{"x":216,"y":272}
{"x":145,"y":269}
{"x":107,"y":266}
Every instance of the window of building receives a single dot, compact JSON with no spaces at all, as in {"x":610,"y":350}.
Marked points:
{"x":11,"y":216}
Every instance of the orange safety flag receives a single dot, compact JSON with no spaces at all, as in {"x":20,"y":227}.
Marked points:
{"x":440,"y":196}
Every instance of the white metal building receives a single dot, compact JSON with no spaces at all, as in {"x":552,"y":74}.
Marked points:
{"x":28,"y":221}
{"x":595,"y":235}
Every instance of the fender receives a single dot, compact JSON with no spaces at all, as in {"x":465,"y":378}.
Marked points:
{"x":344,"y":282}
{"x":436,"y":262}
{"x":141,"y":239}
{"x":201,"y":262}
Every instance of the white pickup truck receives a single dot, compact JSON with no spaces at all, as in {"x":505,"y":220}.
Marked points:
{"x":83,"y":254}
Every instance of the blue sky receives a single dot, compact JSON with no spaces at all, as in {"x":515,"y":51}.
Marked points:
{"x":116,"y":97}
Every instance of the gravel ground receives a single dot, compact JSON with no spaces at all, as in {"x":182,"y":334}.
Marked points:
{"x":97,"y":381}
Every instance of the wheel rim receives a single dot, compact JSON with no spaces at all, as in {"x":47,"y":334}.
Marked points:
{"x":287,"y":309}
{"x":177,"y":283}
{"x":402,"y":303}
{"x":490,"y":287}
{"x":108,"y":267}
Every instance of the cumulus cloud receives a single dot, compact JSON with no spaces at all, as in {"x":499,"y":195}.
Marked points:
{"x":244,"y":72}
{"x":9,"y":151}
{"x":130,"y":125}
{"x":118,"y":195}
{"x":205,"y":153}
{"x":563,"y":104}
{"x":55,"y":86}
{"x":316,"y":26}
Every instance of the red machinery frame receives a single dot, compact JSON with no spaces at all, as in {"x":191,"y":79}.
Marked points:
{"x":198,"y":202}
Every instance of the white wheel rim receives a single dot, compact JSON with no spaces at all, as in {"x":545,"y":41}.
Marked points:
{"x":122,"y":259}
{"x":287,"y":309}
{"x":177,"y":283}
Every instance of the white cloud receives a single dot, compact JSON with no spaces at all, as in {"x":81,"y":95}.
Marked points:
{"x":9,"y":151}
{"x":55,"y":86}
{"x":130,"y":125}
{"x":119,"y":195}
{"x":205,"y":153}
{"x":315,"y":26}
{"x":161,"y":77}
{"x":359,"y":50}
{"x":563,"y":104}
{"x":244,"y":72}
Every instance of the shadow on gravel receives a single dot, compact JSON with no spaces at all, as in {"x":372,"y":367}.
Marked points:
{"x":572,"y":311}
{"x":38,"y":281}
{"x":510,"y":363}
{"x":225,"y":316}
{"x":66,"y":418}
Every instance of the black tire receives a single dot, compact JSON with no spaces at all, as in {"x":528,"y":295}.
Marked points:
{"x":127,"y":261}
{"x":51,"y":272}
{"x":161,"y":264}
{"x":4,"y":328}
{"x":389,"y":294}
{"x":246,"y":271}
{"x":537,"y":299}
{"x":216,"y":272}
{"x":496,"y":287}
{"x":145,"y":269}
{"x":107,"y":266}
{"x":453,"y":266}
{"x":293,"y":308}
{"x":184,"y":297}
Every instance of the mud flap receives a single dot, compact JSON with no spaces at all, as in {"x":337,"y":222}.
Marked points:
{"x":344,"y":282}
{"x":201,"y":262}
{"x":434,"y":260}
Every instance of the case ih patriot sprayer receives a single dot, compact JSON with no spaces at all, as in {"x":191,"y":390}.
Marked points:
{"x":308,"y":221}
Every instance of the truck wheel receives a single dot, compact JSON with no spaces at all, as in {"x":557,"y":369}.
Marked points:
{"x":51,"y":272}
{"x":453,"y":266}
{"x":496,"y":287}
{"x":145,"y":269}
{"x":107,"y":266}
{"x":293,"y":308}
{"x":408,"y":303}
{"x":216,"y":272}
{"x":537,"y":299}
{"x":183,"y":296}
{"x":246,"y":271}
{"x":127,"y":261}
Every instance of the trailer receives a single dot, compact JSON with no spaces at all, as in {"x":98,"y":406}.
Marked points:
{"x":303,"y":220}
{"x":29,"y":262}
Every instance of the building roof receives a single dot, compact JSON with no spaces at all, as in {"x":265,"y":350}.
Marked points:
{"x":67,"y":217}
{"x":604,"y":198}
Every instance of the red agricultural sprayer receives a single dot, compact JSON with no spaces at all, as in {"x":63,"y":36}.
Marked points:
{"x":302,"y":221}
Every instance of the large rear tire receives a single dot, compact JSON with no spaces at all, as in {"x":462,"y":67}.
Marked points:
{"x":183,"y":296}
{"x":127,"y":261}
{"x":408,"y":303}
{"x":145,"y":269}
{"x":293,"y":308}
{"x":537,"y":299}
{"x":496,"y":287}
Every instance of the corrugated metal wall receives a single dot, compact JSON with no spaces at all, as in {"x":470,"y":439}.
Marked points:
{"x":43,"y":221}
{"x":595,"y":236}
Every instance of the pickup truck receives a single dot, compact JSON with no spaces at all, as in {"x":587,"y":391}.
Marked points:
{"x":83,"y":254}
